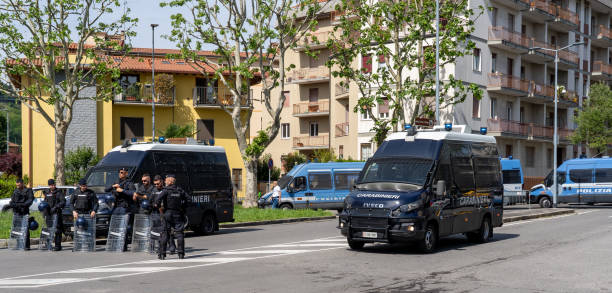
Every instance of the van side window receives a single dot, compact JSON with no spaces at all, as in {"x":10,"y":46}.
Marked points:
{"x":462,"y":168}
{"x":581,"y":175}
{"x":208,"y":171}
{"x":486,"y":173}
{"x":318,"y":181}
{"x":444,"y":171}
{"x":342,"y":181}
{"x":603,"y":175}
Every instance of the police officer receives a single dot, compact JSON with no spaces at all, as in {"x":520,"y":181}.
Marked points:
{"x":84,"y":201}
{"x":56,"y":200}
{"x":144,"y":192}
{"x":158,"y":182}
{"x":123,"y":190}
{"x":21,"y":200}
{"x":173,"y":201}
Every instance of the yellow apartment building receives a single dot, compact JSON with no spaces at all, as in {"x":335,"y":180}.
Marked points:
{"x":193,"y":100}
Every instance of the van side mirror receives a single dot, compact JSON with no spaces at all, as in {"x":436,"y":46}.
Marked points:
{"x":352,"y":186}
{"x":290,"y":189}
{"x":440,"y":188}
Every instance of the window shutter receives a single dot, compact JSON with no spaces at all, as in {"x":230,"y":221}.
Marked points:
{"x":366,"y":63}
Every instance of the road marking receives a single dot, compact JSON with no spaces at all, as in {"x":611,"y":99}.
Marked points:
{"x":545,"y":219}
{"x":309,"y":245}
{"x":136,"y":268}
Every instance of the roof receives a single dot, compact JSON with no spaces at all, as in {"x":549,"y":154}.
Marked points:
{"x":444,"y":135}
{"x":594,"y":161}
{"x":348,"y":166}
{"x":172,"y":147}
{"x":162,"y":65}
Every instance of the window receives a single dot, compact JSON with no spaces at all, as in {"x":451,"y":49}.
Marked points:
{"x":476,"y":60}
{"x":444,"y":171}
{"x":285,"y":134}
{"x":510,"y":64}
{"x":365,"y":115}
{"x":522,"y":72}
{"x":549,"y":158}
{"x":522,"y":115}
{"x":341,"y":152}
{"x":319,"y":181}
{"x":509,"y":111}
{"x":410,"y":171}
{"x":208,"y":170}
{"x":581,"y":175}
{"x":475,"y":107}
{"x":494,"y":16}
{"x":287,"y":103}
{"x":206,"y":129}
{"x":237,"y":179}
{"x":548,"y":181}
{"x":127,"y":80}
{"x":508,"y":150}
{"x":366,"y":151}
{"x":383,"y":109}
{"x":381,"y":62}
{"x":603,"y":175}
{"x":461,"y":164}
{"x":313,"y":95}
{"x":493,"y":106}
{"x":131,"y":128}
{"x":511,"y":176}
{"x":486,"y":173}
{"x":366,"y":64}
{"x":510,"y":22}
{"x":342,"y":181}
{"x":314,"y":129}
{"x":529,"y":156}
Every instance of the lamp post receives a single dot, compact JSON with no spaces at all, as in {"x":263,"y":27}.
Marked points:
{"x":555,"y":134}
{"x":437,"y":61}
{"x":153,"y":26}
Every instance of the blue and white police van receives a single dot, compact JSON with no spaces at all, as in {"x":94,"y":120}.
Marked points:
{"x":512,"y":178}
{"x":583,"y":181}
{"x":315,"y":185}
{"x":420,"y":186}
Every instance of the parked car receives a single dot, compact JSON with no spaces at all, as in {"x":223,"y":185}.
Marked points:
{"x":315,"y":185}
{"x":38,"y":196}
{"x":586,"y":181}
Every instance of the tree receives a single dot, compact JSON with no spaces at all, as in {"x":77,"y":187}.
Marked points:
{"x":400,"y":35}
{"x":174,"y":130}
{"x":78,"y":162}
{"x":55,"y":54}
{"x":294,"y":159}
{"x":595,"y":119}
{"x":250,"y":39}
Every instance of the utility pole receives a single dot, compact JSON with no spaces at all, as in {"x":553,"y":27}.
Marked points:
{"x":437,"y":61}
{"x":153,"y":26}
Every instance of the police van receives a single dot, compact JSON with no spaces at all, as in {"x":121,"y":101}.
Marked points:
{"x":587,"y":181}
{"x":202,"y":171}
{"x":512,"y":178}
{"x":420,"y":186}
{"x":315,"y":185}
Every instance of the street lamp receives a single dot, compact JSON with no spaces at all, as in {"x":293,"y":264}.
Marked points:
{"x":555,"y":134}
{"x":153,"y":26}
{"x":437,"y":60}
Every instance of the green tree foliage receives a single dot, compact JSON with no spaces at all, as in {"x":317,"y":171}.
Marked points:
{"x":7,"y":185}
{"x":174,"y":130}
{"x":55,"y":51}
{"x":294,"y":159}
{"x":325,"y":155}
{"x":262,"y":169}
{"x":78,"y":162}
{"x":251,"y":39}
{"x":399,"y":34}
{"x":595,"y":119}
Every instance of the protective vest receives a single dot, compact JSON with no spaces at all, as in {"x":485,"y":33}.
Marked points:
{"x":82,"y":202}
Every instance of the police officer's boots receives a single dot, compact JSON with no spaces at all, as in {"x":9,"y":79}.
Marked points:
{"x":161,"y":256}
{"x":181,"y":255}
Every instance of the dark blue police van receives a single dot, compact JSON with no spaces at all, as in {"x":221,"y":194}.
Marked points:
{"x":420,"y":186}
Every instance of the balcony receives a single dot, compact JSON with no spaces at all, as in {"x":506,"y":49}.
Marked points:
{"x":542,"y":91}
{"x":311,"y":109}
{"x":569,"y":97}
{"x":311,"y":142}
{"x":539,"y":56}
{"x":540,"y":11}
{"x":341,"y":90}
{"x":508,"y":85}
{"x":565,"y":20}
{"x":530,"y":131}
{"x":316,"y":40}
{"x":601,"y":71}
{"x":501,"y":38}
{"x":342,"y":129}
{"x":513,"y":4}
{"x":601,"y":37}
{"x":568,"y":59}
{"x":308,"y":75}
{"x":538,"y":132}
{"x":214,"y":97}
{"x":136,"y":94}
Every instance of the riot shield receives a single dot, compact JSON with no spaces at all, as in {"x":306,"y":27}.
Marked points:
{"x":17,"y":239}
{"x":84,"y":237}
{"x":47,"y":233}
{"x":141,"y":237}
{"x":156,"y":231}
{"x":117,"y":232}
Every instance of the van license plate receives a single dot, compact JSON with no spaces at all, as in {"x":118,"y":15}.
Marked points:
{"x":369,"y":234}
{"x":72,"y":228}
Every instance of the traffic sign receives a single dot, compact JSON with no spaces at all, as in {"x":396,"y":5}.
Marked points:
{"x":270,"y":163}
{"x":423,"y":121}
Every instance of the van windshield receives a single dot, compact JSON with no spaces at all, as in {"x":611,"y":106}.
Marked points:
{"x":284,"y":181}
{"x":511,"y":176}
{"x":410,"y":171}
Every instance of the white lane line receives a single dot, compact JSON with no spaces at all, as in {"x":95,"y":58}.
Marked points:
{"x":292,"y":251}
{"x":118,"y":270}
{"x":309,"y":245}
{"x":38,"y":281}
{"x":199,"y":259}
{"x":545,"y":219}
{"x":327,"y":240}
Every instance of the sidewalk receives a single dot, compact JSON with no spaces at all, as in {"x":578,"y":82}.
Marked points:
{"x":522,"y":212}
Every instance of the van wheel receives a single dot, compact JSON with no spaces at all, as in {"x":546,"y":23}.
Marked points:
{"x":545,"y":202}
{"x":285,"y":206}
{"x":355,"y":245}
{"x":484,"y":234}
{"x":208,"y":224}
{"x":430,"y":239}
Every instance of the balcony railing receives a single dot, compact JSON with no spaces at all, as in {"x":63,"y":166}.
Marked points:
{"x":341,"y":89}
{"x":308,"y":74}
{"x":311,"y":141}
{"x":142,"y":94}
{"x":570,"y":96}
{"x":315,"y":39}
{"x":569,"y":56}
{"x":542,"y":90}
{"x":507,"y":126}
{"x":342,"y":129}
{"x":568,"y":15}
{"x":544,"y":6}
{"x":530,"y":130}
{"x":214,"y":96}
{"x":602,"y":31}
{"x":498,"y":33}
{"x":311,"y":108}
{"x":507,"y":81}
{"x":599,"y":66}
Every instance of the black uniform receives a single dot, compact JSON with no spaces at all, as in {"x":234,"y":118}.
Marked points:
{"x":157,"y":226}
{"x":57,"y":201}
{"x":174,"y":201}
{"x":84,"y":202}
{"x":123,"y":200}
{"x":21,"y":200}
{"x":146,"y":191}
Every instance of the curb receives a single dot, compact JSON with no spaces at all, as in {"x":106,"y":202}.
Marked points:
{"x":536,"y":216}
{"x":280,"y":221}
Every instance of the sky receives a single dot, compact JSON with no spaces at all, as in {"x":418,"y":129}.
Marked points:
{"x":148,"y":12}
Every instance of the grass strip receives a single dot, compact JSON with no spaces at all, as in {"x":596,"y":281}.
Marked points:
{"x":6,"y":220}
{"x":256,"y":214}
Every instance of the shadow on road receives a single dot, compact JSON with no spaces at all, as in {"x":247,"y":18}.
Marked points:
{"x":455,"y":242}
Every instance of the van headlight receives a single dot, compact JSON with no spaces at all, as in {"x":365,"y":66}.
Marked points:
{"x":406,"y":208}
{"x":348,"y":202}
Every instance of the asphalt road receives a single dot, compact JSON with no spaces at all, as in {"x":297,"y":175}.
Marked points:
{"x":563,"y":254}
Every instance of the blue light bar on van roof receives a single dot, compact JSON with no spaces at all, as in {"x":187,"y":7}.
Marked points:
{"x":483,"y":130}
{"x":134,"y":139}
{"x":162,"y":139}
{"x":448,"y":126}
{"x":509,"y":157}
{"x":407,"y":126}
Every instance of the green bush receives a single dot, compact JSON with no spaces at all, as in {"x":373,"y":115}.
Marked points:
{"x":77,"y":163}
{"x":174,"y":131}
{"x":262,"y":169}
{"x":294,"y":159}
{"x":7,"y":185}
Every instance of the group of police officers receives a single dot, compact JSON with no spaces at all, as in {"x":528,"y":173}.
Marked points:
{"x":167,"y":202}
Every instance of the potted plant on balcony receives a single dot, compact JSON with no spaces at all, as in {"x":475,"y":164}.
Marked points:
{"x":164,"y":88}
{"x":177,"y":134}
{"x":131,"y":92}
